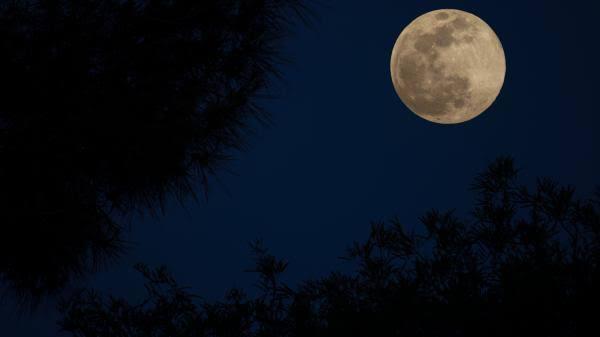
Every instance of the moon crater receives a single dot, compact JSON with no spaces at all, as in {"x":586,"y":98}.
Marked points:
{"x":448,"y":66}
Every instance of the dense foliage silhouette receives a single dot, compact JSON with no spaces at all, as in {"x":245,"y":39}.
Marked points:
{"x":107,"y":107}
{"x":524,"y":263}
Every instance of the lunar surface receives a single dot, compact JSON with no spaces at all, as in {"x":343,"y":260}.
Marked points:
{"x":448,"y":66}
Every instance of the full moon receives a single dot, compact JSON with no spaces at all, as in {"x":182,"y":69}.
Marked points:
{"x":448,"y":66}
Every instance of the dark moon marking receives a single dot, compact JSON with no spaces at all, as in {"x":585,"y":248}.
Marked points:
{"x":442,"y":16}
{"x":441,"y":37}
{"x":468,"y":39}
{"x":461,"y":23}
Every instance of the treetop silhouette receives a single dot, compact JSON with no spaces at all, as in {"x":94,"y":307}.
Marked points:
{"x":526,"y":263}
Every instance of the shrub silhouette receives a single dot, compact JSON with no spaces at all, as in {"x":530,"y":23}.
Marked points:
{"x":107,"y":107}
{"x":524,"y":264}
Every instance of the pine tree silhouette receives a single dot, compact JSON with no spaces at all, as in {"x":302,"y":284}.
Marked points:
{"x":109,"y":106}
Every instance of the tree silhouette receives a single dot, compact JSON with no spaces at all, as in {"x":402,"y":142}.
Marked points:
{"x":524,"y":264}
{"x":108,"y":106}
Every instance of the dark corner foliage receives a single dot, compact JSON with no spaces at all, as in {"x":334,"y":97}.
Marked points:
{"x":109,"y":106}
{"x":525,"y":263}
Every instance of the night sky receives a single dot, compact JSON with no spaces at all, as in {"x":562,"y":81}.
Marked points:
{"x":342,"y":150}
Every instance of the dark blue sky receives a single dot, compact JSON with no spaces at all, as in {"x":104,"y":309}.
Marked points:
{"x":343,"y":150}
